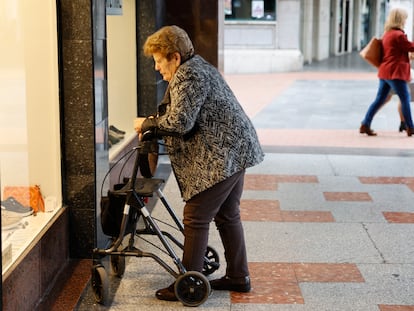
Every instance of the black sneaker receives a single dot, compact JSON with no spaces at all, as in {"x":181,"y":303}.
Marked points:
{"x":12,"y":205}
{"x":116,"y":130}
{"x":115,"y":135}
{"x":241,"y":285}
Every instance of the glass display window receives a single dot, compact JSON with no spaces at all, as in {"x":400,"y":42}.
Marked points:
{"x":29,"y":124}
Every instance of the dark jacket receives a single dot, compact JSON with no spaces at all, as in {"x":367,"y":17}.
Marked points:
{"x":215,"y":138}
{"x":395,"y":63}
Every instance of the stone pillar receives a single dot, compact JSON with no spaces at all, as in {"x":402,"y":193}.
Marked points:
{"x":150,"y":87}
{"x":200,"y":19}
{"x":197,"y":17}
{"x":78,"y":120}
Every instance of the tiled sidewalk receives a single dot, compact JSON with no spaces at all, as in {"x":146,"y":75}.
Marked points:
{"x":324,"y":237}
{"x":279,"y":283}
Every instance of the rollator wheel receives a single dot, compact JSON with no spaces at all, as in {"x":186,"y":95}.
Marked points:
{"x":100,"y":284}
{"x":118,"y":265}
{"x":192,"y":288}
{"x":211,"y":261}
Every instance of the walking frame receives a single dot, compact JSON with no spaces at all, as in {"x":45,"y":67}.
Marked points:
{"x":192,"y":288}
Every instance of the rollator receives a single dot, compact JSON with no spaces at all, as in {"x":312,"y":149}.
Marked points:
{"x":121,"y":210}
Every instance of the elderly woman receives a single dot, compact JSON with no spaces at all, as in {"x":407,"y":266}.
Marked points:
{"x":394,"y":71}
{"x":211,"y":143}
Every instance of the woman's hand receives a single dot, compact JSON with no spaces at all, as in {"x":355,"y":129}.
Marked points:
{"x":138,"y":124}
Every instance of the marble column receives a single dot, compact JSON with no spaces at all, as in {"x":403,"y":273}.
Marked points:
{"x":78,"y":28}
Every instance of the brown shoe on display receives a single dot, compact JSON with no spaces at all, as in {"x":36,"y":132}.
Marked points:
{"x":241,"y":285}
{"x":366,"y":130}
{"x":167,"y":293}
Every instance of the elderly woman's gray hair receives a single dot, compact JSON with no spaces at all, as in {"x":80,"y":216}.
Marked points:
{"x":169,"y":40}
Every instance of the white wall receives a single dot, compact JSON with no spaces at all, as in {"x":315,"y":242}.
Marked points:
{"x":122,"y":67}
{"x":29,"y":96}
{"x":288,"y":20}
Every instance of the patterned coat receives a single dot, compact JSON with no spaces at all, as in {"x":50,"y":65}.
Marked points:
{"x":216,"y":138}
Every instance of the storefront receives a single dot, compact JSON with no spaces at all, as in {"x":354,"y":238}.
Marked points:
{"x":30,"y":157}
{"x":72,"y":76}
{"x":283,"y":35}
{"x":262,"y":36}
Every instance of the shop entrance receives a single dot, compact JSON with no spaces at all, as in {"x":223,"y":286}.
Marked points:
{"x":344,"y":28}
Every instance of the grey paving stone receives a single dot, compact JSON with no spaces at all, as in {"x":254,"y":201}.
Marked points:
{"x":310,"y":242}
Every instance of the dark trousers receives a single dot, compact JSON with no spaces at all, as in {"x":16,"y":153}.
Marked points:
{"x":221,"y":203}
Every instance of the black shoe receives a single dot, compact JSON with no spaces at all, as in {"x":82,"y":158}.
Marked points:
{"x":167,"y":293}
{"x":113,"y":128}
{"x":115,"y":134}
{"x":113,"y":140}
{"x":241,"y":285}
{"x":403,"y":126}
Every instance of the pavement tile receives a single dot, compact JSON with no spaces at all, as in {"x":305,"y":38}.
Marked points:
{"x":260,"y":182}
{"x":297,"y":179}
{"x":395,"y":308}
{"x":273,"y":283}
{"x":393,"y":241}
{"x":260,"y":210}
{"x":347,"y":196}
{"x":278,"y":283}
{"x":306,"y":216}
{"x":327,"y":272}
{"x":310,"y":242}
{"x":399,"y":217}
{"x":270,"y":182}
{"x":269,"y":210}
{"x":386,"y":180}
{"x":409,"y":181}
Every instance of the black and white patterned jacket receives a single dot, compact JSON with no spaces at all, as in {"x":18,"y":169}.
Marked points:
{"x":216,"y":138}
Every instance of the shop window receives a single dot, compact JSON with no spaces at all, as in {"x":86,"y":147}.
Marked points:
{"x":29,"y":125}
{"x":122,"y":77}
{"x":261,"y":10}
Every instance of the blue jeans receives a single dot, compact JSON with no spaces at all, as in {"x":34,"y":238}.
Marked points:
{"x":400,"y":88}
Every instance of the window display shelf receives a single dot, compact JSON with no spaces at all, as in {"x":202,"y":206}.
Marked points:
{"x":117,"y":148}
{"x":16,"y":241}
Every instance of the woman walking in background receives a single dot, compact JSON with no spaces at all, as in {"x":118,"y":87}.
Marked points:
{"x":394,"y":71}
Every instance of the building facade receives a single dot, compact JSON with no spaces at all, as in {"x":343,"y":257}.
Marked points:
{"x":71,"y":69}
{"x":283,"y":35}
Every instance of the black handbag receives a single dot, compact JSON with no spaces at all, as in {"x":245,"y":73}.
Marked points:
{"x":112,"y":211}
